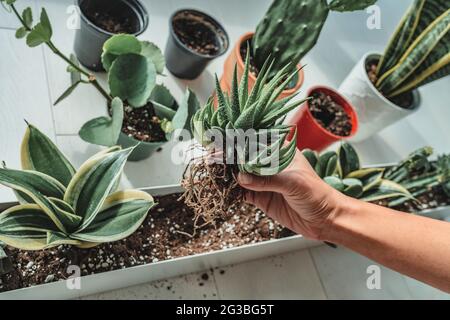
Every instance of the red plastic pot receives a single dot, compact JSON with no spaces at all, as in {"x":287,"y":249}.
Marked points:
{"x":310,"y":134}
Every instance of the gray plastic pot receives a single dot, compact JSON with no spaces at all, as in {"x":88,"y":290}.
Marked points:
{"x":89,"y":38}
{"x":142,"y":151}
{"x":183,"y":62}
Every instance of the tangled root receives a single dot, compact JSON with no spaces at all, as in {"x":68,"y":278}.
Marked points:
{"x":211,"y":190}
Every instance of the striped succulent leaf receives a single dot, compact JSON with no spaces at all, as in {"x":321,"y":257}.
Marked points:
{"x":5,"y":262}
{"x":257,"y":111}
{"x":85,"y":213}
{"x":39,"y":153}
{"x":418,"y":52}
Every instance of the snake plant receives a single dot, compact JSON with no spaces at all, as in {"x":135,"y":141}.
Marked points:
{"x":342,"y":170}
{"x":419,"y":50}
{"x":290,"y":29}
{"x":59,"y":205}
{"x":132,"y":67}
{"x":419,"y":175}
{"x":256,"y":112}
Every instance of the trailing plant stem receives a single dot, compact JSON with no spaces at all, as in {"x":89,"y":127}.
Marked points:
{"x":91,"y":78}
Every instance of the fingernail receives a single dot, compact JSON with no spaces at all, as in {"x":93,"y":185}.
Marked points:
{"x":245,"y":178}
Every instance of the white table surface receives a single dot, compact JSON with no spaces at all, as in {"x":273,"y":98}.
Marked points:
{"x":31,"y":79}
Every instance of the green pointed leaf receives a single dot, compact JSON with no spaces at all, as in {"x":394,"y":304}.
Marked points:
{"x":104,"y":131}
{"x":311,"y":156}
{"x":67,"y":93}
{"x":235,"y":105}
{"x":243,"y":86}
{"x":25,"y":227}
{"x":121,"y":215}
{"x":58,"y":238}
{"x":386,"y":190}
{"x":132,"y":78}
{"x":65,"y":214}
{"x":348,"y":159}
{"x":39,"y":153}
{"x":93,"y":182}
{"x":75,"y":75}
{"x":41,"y":33}
{"x":27,"y":17}
{"x":327,"y":164}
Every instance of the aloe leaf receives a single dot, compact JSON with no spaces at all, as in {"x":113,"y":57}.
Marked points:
{"x":243,"y":85}
{"x":25,"y":227}
{"x":39,"y":153}
{"x":132,"y":78}
{"x":235,"y":103}
{"x":104,"y":131}
{"x":122,"y":213}
{"x":93,"y":182}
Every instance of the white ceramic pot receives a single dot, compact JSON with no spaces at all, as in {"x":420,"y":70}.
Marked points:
{"x":375,"y":112}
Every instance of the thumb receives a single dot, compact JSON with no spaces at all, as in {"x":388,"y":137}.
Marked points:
{"x":256,"y":183}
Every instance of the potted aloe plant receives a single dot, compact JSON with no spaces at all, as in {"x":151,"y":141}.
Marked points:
{"x":384,"y":88}
{"x":195,"y":39}
{"x":288,"y":31}
{"x":145,"y":114}
{"x":101,"y":19}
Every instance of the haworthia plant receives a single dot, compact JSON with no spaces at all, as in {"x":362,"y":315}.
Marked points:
{"x":258,"y":114}
{"x":290,"y":29}
{"x":419,"y":50}
{"x":64,"y":206}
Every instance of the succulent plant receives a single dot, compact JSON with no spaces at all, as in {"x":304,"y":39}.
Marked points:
{"x":342,"y":171}
{"x":59,"y":205}
{"x":420,"y":175}
{"x":291,"y":28}
{"x":418,"y":51}
{"x":132,"y":67}
{"x":257,"y":112}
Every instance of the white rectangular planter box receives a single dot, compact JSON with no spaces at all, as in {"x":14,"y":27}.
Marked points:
{"x":122,"y":278}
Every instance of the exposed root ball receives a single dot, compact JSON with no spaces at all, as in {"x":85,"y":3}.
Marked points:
{"x":212,"y":190}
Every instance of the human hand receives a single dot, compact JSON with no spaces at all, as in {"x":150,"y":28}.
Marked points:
{"x":296,"y":198}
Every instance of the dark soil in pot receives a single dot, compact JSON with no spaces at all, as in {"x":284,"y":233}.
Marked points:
{"x":168,"y":232}
{"x":111,"y":22}
{"x":404,"y":100}
{"x":142,"y":124}
{"x":194,"y":33}
{"x":330,"y":115}
{"x":253,"y":68}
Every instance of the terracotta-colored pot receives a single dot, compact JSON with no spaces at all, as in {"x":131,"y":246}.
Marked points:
{"x":235,"y":57}
{"x":310,"y":134}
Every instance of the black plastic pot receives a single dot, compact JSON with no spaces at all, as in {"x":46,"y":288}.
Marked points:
{"x":184,"y":62}
{"x":89,"y":38}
